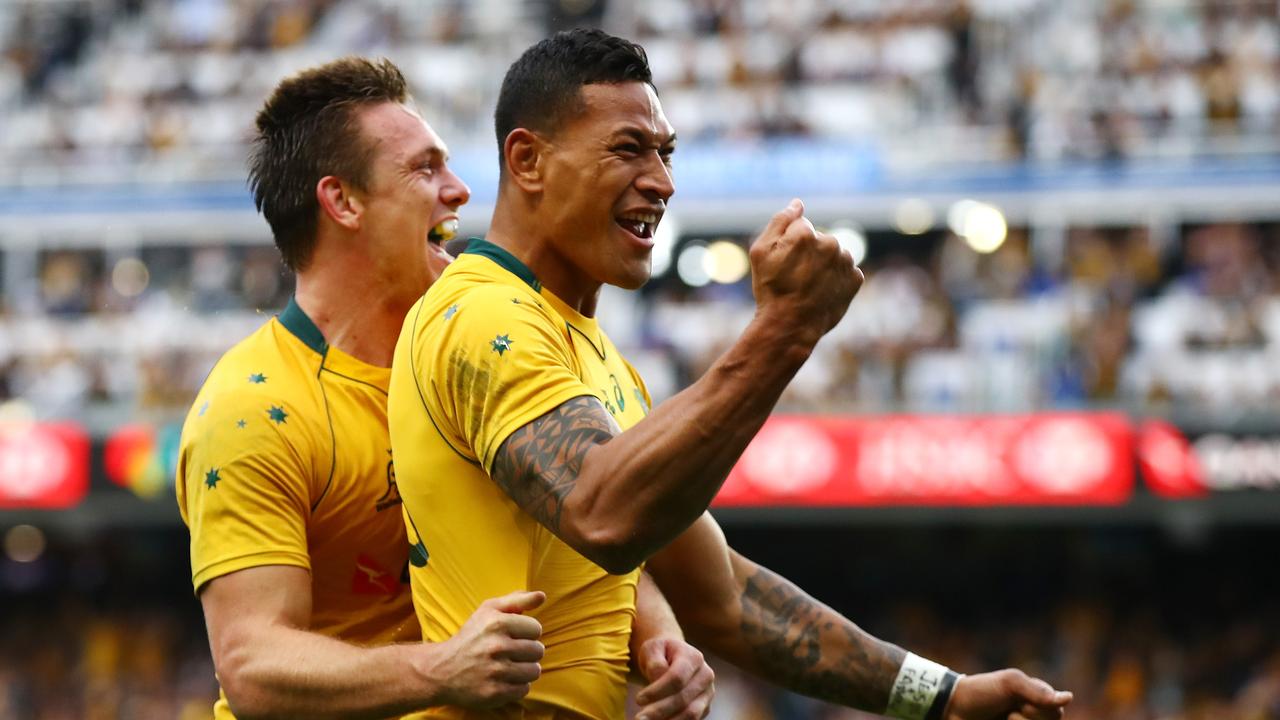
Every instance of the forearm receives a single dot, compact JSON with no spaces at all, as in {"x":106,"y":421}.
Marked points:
{"x":654,"y":619}
{"x":286,"y":672}
{"x":652,"y":481}
{"x":786,"y":637}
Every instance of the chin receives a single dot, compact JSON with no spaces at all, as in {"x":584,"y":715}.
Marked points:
{"x":632,"y":279}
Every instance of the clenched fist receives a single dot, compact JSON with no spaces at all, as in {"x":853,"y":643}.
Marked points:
{"x":800,"y":276}
{"x":493,"y":658}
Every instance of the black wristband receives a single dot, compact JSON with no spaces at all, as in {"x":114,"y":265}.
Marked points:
{"x":940,"y":700}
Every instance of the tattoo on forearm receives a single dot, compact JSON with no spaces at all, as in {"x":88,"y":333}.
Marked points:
{"x":810,"y":649}
{"x":538,"y":464}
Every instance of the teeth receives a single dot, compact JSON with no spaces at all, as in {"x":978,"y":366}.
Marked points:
{"x":444,"y":231}
{"x":647,"y":218}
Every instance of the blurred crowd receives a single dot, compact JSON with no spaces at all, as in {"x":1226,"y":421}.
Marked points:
{"x":132,"y":335}
{"x":1137,"y":627}
{"x":1180,"y":320}
{"x":168,"y":87}
{"x":1144,"y":317}
{"x":102,"y":626}
{"x":1136,"y":318}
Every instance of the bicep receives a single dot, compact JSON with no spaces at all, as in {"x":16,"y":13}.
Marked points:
{"x":243,"y":606}
{"x":538,"y":464}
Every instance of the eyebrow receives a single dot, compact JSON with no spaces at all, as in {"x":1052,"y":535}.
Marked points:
{"x":431,"y":152}
{"x":637,"y":134}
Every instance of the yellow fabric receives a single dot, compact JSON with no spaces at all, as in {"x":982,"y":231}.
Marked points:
{"x":285,"y":460}
{"x":481,"y":354}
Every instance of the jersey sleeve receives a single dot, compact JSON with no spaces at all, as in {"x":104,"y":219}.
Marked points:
{"x":244,"y":486}
{"x":499,"y":362}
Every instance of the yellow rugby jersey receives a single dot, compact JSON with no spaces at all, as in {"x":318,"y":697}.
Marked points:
{"x":484,"y":352}
{"x":285,"y":460}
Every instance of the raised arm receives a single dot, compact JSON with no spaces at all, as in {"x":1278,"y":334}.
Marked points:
{"x":270,"y":666}
{"x":764,"y":624}
{"x":619,"y":497}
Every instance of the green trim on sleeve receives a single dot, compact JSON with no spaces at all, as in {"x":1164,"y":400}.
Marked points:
{"x":296,"y":321}
{"x":504,"y":259}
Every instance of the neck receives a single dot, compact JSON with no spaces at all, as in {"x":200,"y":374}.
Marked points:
{"x":515,"y":233}
{"x":355,"y":312}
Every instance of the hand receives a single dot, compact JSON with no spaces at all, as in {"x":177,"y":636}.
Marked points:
{"x":802,"y":273}
{"x":1006,"y":695}
{"x":681,"y":683}
{"x":493,"y":658}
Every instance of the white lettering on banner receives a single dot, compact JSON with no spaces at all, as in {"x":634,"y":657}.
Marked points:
{"x":967,"y":460}
{"x":790,"y":458}
{"x":1235,"y":463}
{"x":32,"y":462}
{"x":1063,"y":456}
{"x":905,"y":457}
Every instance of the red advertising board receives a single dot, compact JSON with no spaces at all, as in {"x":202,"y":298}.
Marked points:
{"x":1177,"y":466}
{"x":1043,"y":459}
{"x":43,"y":465}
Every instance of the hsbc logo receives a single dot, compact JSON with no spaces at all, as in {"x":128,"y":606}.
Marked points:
{"x":43,"y":465}
{"x":790,"y":458}
{"x":1064,"y":456}
{"x":31,"y":464}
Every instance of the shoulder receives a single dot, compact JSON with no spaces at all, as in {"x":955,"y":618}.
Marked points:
{"x":263,"y":387}
{"x":478,"y":281}
{"x":471,"y":306}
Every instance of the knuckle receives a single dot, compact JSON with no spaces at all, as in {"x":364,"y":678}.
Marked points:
{"x":491,"y":647}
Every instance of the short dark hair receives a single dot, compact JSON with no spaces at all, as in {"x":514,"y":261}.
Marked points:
{"x":307,"y":130}
{"x":542,"y":87}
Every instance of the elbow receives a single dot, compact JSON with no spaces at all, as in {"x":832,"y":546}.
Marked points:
{"x":610,"y":533}
{"x":246,"y":694}
{"x":616,"y":551}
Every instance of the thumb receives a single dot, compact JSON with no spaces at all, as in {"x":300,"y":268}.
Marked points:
{"x":520,"y":601}
{"x":653,"y":659}
{"x":1042,"y":693}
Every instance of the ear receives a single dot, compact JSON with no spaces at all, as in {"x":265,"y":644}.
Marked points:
{"x":339,"y":203}
{"x":524,"y":156}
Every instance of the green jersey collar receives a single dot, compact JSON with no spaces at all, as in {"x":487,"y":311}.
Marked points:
{"x":296,"y":321}
{"x":507,"y":261}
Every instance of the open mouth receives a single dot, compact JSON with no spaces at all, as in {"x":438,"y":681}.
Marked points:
{"x":639,"y":224}
{"x":444,"y":231}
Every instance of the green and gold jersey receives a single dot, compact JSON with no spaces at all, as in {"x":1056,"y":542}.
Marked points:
{"x":483,"y":353}
{"x":285,"y":460}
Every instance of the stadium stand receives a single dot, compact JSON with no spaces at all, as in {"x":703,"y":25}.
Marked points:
{"x":1125,"y":256}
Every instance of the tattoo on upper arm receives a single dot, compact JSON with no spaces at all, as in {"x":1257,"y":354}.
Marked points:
{"x":809,"y":648}
{"x":538,"y":464}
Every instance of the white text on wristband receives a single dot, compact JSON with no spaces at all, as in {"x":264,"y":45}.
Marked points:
{"x":918,"y":683}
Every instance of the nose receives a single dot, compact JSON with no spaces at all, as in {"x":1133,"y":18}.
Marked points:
{"x":656,"y":181}
{"x":454,"y":192}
